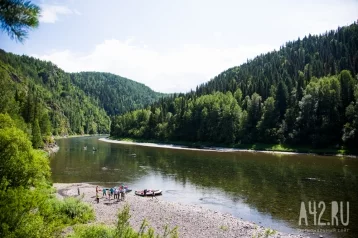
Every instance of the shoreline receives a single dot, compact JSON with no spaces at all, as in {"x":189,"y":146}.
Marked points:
{"x":213,"y":149}
{"x":51,"y":148}
{"x":79,"y":135}
{"x":191,"y":220}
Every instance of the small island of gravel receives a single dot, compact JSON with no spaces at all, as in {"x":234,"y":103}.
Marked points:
{"x":191,"y":220}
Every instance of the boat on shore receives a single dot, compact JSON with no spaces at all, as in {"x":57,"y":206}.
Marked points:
{"x":149,"y":192}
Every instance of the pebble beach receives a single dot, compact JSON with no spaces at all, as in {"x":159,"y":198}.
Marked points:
{"x":191,"y":220}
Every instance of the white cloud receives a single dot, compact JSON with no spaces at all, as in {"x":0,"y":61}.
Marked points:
{"x":75,"y":11}
{"x":176,"y":70}
{"x":49,"y":13}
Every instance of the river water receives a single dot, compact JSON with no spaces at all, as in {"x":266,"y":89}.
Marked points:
{"x":267,"y":189}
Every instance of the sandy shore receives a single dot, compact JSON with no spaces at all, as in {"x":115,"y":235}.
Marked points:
{"x":213,"y":149}
{"x":192,"y":220}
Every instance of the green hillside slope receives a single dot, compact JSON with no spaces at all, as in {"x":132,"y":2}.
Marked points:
{"x":114,"y":93}
{"x":44,"y":97}
{"x":304,"y":94}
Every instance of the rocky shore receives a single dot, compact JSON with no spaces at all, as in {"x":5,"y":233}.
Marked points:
{"x":191,"y":220}
{"x":51,"y":148}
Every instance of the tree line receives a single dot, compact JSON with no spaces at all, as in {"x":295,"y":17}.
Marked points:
{"x":49,"y":101}
{"x":304,"y":94}
{"x":115,"y":94}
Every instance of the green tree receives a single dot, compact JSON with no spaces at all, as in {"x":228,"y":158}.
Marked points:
{"x":45,"y":125}
{"x":267,"y":126}
{"x":350,"y":130}
{"x":20,"y":164}
{"x":36,"y":135}
{"x":281,"y":99}
{"x":17,"y":17}
{"x":347,"y":88}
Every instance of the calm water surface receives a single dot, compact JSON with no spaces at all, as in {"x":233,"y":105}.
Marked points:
{"x":263,"y":188}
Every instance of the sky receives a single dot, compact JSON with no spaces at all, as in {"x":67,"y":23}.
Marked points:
{"x":172,"y":46}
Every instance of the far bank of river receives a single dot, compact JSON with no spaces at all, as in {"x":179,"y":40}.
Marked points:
{"x":275,"y":149}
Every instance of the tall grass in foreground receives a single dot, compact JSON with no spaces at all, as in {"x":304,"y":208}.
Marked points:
{"x":122,"y":229}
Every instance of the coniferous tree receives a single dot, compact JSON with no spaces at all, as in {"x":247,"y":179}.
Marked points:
{"x":17,"y":17}
{"x":36,"y":135}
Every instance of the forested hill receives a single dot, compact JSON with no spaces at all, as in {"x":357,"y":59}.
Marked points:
{"x":304,"y":94}
{"x":114,"y":93}
{"x":293,"y":65}
{"x":45,"y":100}
{"x":41,"y":95}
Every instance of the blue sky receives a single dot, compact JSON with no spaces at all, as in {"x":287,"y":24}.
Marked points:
{"x":172,"y":46}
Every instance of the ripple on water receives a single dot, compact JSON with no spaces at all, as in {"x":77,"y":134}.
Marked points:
{"x":214,"y":201}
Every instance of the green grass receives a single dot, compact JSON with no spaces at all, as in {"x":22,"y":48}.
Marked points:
{"x":224,"y":228}
{"x":122,"y":229}
{"x":256,"y":146}
{"x":72,"y":211}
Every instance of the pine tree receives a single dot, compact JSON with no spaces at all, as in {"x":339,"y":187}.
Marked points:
{"x":36,"y":135}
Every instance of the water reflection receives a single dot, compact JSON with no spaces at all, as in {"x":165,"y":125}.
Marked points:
{"x":263,"y":188}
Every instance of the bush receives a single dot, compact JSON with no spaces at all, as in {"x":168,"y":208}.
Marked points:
{"x":93,"y":231}
{"x":72,"y":211}
{"x":122,"y":229}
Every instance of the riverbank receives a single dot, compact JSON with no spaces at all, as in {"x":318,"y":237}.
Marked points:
{"x":51,"y":148}
{"x":191,"y":220}
{"x":74,"y":136}
{"x":274,"y":149}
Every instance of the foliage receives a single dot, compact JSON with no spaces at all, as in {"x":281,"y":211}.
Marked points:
{"x":20,"y":165}
{"x":265,"y":234}
{"x":17,"y":17}
{"x":27,"y":206}
{"x":302,"y":95}
{"x":93,"y":231}
{"x":36,"y":135}
{"x":65,"y":104}
{"x":38,"y":90}
{"x":115,"y":94}
{"x":72,"y":211}
{"x":122,"y":229}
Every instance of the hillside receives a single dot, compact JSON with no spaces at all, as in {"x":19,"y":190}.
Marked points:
{"x":46,"y":100}
{"x":304,"y":94}
{"x":114,"y":93}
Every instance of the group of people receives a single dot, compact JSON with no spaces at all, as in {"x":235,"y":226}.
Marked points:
{"x":115,"y":192}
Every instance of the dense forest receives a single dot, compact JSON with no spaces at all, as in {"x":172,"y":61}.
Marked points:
{"x":115,"y":94}
{"x":46,"y":101}
{"x":306,"y":93}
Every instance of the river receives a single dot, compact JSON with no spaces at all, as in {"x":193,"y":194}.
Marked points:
{"x":268,"y":189}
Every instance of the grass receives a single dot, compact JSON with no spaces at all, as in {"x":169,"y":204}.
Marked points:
{"x":256,"y":146}
{"x":72,"y":211}
{"x":224,"y":228}
{"x":122,"y":229}
{"x":265,"y":234}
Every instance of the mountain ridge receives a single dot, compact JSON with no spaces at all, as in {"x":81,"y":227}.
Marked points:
{"x":34,"y":89}
{"x":304,"y":94}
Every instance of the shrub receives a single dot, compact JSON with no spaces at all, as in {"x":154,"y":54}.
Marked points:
{"x":76,"y":211}
{"x":122,"y":229}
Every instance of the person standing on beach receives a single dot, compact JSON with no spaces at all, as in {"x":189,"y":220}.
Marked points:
{"x":116,"y":193}
{"x":104,"y":192}
{"x":111,"y":191}
{"x":97,"y":197}
{"x":123,"y":193}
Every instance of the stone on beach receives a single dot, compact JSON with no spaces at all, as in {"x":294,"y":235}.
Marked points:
{"x":192,"y":220}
